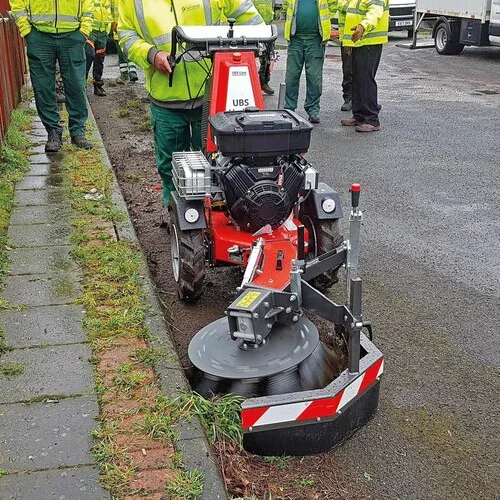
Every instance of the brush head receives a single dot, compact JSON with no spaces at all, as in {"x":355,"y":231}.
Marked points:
{"x":292,"y":359}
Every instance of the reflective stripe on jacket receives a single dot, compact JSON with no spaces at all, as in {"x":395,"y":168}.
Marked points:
{"x":373,"y":15}
{"x":265,"y":9}
{"x":147,"y":24}
{"x":102,"y":16}
{"x":326,"y":9}
{"x":53,"y":16}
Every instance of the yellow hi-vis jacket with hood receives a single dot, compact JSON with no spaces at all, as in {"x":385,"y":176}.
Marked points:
{"x":102,"y":16}
{"x":373,"y":15}
{"x":265,"y":9}
{"x":53,"y":16}
{"x":326,"y":10}
{"x":145,"y":27}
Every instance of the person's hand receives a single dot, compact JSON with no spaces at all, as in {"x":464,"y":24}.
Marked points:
{"x":358,"y":33}
{"x":161,"y":62}
{"x":114,"y":26}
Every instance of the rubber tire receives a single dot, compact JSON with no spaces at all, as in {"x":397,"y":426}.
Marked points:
{"x":191,"y":261}
{"x":324,"y":237}
{"x":451,"y":46}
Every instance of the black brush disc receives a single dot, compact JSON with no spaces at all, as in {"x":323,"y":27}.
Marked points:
{"x":277,"y":367}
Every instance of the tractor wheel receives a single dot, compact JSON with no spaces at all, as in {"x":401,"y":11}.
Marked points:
{"x":187,"y":253}
{"x":324,"y":236}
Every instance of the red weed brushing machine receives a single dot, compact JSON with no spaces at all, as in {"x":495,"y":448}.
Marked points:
{"x":252,"y":199}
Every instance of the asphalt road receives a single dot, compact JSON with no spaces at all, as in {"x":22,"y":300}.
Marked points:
{"x":430,"y":263}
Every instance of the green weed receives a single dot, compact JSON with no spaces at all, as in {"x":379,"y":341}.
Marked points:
{"x":11,"y":370}
{"x":128,"y":378}
{"x":3,"y":473}
{"x":306,"y":482}
{"x":188,"y":485}
{"x":280,"y":462}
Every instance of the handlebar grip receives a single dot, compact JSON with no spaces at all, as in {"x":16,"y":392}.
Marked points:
{"x":355,"y":192}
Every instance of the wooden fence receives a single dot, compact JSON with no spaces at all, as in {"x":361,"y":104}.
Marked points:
{"x":12,"y":66}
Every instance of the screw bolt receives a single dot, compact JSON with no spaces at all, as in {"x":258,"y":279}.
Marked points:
{"x":256,"y":315}
{"x":295,"y":318}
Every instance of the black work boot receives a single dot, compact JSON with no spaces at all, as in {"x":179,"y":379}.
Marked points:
{"x":98,"y":90}
{"x":80,"y":141}
{"x":54,"y":141}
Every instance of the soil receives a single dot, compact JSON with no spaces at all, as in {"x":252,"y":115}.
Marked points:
{"x":129,"y":144}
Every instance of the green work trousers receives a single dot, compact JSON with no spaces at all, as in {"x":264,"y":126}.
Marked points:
{"x":43,"y":51}
{"x":174,"y":130}
{"x":311,"y":54}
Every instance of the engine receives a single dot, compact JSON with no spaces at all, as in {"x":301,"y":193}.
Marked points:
{"x":258,"y":193}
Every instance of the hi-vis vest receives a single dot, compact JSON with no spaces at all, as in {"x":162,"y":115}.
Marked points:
{"x":102,"y":16}
{"x":326,"y":10}
{"x":373,"y":15}
{"x":53,"y":16}
{"x":265,"y":9}
{"x":143,"y":24}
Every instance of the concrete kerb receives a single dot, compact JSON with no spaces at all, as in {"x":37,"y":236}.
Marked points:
{"x":197,"y":453}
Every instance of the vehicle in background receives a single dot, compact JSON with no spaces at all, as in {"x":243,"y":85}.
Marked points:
{"x":401,"y":15}
{"x":457,"y":23}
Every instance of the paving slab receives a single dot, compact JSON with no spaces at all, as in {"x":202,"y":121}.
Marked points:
{"x":36,"y":197}
{"x":29,"y":235}
{"x":46,"y":158}
{"x":51,"y":371}
{"x":80,"y":483}
{"x":39,"y":148}
{"x":46,"y":169}
{"x":41,"y":289}
{"x":42,"y":214}
{"x":42,"y":182}
{"x":41,"y":260}
{"x":47,"y":435}
{"x":46,"y":325}
{"x":37,"y":132}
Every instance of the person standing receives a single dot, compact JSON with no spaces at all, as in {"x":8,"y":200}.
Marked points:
{"x":95,"y":48}
{"x":365,"y":31}
{"x":346,"y":55}
{"x":265,"y":9}
{"x":128,"y":70}
{"x":145,"y":37}
{"x":56,"y":30}
{"x":307,"y":29}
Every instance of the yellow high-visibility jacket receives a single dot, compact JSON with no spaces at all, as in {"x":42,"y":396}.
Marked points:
{"x":326,"y":10}
{"x":102,"y":16}
{"x":146,"y":25}
{"x":265,"y":9}
{"x":373,"y":15}
{"x":53,"y":16}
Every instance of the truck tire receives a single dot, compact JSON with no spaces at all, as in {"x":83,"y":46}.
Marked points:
{"x":324,"y":236}
{"x":446,"y":36}
{"x":187,"y":253}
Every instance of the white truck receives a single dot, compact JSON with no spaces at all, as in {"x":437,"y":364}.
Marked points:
{"x":401,"y":15}
{"x":457,"y":23}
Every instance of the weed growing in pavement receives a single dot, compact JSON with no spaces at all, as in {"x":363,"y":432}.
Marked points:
{"x":280,"y":462}
{"x":219,"y":417}
{"x":11,"y":370}
{"x":128,"y":378}
{"x":188,"y":485}
{"x":3,"y":473}
{"x":4,"y":347}
{"x":149,"y":355}
{"x":133,"y":104}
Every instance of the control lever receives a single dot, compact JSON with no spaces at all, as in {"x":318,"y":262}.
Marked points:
{"x":231,"y":21}
{"x":171,"y":57}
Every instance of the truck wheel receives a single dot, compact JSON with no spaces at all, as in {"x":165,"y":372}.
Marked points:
{"x":324,"y":236}
{"x":446,"y":39}
{"x":187,"y":253}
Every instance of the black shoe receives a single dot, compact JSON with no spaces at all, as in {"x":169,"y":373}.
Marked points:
{"x":347,"y":106}
{"x":267,"y":89}
{"x":80,"y":141}
{"x":314,"y":119}
{"x":98,"y":90}
{"x":54,"y":141}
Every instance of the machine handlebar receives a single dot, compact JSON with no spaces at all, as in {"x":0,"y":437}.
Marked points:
{"x":355,"y":192}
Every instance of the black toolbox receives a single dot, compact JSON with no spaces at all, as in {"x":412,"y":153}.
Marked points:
{"x":256,"y":132}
